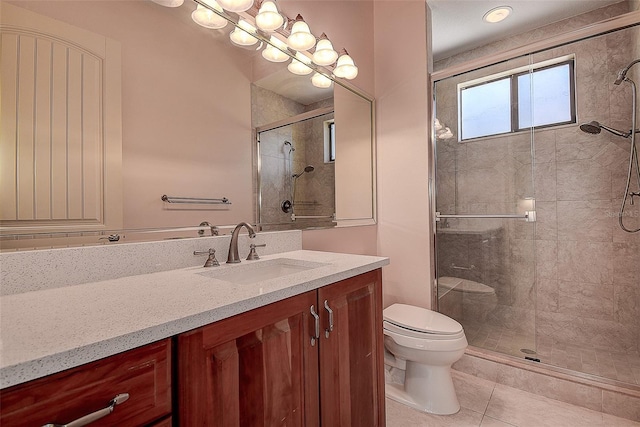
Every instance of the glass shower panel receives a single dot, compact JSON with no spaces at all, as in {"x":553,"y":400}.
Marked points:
{"x":485,"y":246}
{"x":588,"y":304}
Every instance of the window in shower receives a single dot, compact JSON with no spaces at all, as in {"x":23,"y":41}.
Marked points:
{"x":537,"y":96}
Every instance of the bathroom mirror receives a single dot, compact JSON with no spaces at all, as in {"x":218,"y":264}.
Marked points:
{"x":181,"y":124}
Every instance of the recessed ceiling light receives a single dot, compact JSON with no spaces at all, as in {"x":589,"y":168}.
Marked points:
{"x":497,"y":14}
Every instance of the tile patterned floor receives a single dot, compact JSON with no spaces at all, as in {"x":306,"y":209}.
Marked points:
{"x":487,"y":404}
{"x":623,"y":367}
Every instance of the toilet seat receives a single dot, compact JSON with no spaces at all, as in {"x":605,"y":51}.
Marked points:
{"x":419,"y":322}
{"x":410,"y":333}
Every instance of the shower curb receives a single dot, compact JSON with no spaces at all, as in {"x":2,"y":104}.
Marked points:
{"x":584,"y":390}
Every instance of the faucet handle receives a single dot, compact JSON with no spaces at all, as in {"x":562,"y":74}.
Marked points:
{"x":211,"y":261}
{"x":253,"y":255}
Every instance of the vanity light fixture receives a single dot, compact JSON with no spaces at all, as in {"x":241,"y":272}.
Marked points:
{"x":301,"y":37}
{"x":324,"y":54}
{"x":268,"y":17}
{"x":321,"y":81}
{"x":345,"y":67}
{"x":497,"y":14}
{"x":169,"y":3}
{"x":207,"y":18}
{"x":252,"y":25}
{"x":241,"y":35}
{"x":236,"y":5}
{"x":275,"y":53}
{"x":299,"y":65}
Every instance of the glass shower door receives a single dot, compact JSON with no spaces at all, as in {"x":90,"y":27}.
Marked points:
{"x":485,"y":225}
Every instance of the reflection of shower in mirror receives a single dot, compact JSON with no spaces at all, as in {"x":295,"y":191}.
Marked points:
{"x":307,"y":169}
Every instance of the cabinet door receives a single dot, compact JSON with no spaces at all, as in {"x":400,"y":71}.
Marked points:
{"x":352,"y":355}
{"x":143,"y":373}
{"x":255,"y":369}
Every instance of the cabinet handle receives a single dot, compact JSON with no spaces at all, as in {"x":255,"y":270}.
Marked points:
{"x":94,"y":416}
{"x":317,"y":326}
{"x":326,"y":307}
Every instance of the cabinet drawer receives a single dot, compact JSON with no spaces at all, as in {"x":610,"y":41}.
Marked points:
{"x":144,"y":373}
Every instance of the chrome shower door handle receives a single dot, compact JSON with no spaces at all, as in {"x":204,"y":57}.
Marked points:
{"x":94,"y":416}
{"x":316,"y":318}
{"x":330,"y":329}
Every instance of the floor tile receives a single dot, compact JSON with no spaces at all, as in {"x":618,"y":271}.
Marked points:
{"x":611,"y":421}
{"x":492,"y":422}
{"x":473,"y":392}
{"x":524,"y":409}
{"x":399,"y":415}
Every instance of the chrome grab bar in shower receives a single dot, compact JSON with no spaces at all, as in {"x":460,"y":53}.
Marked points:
{"x":528,"y":216}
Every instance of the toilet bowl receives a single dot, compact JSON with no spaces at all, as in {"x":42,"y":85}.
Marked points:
{"x":424,"y":344}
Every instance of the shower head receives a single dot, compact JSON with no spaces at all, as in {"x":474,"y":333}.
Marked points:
{"x":595,"y":128}
{"x":591,"y":127}
{"x":622,"y":74}
{"x":291,"y":147}
{"x":307,"y":169}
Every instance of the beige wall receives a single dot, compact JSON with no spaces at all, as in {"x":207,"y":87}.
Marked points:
{"x":402,"y":128}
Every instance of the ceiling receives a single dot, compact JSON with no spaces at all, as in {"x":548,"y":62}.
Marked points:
{"x":457,"y":25}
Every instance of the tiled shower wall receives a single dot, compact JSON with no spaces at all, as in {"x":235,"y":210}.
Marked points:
{"x":315,"y":192}
{"x":574,"y":275}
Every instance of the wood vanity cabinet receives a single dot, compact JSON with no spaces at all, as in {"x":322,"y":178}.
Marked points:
{"x":144,"y":373}
{"x":267,"y":368}
{"x":352,"y":355}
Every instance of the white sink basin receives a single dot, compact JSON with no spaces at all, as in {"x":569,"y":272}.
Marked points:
{"x":257,"y":271}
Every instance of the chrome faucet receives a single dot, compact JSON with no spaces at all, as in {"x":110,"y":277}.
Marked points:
{"x":233,"y":257}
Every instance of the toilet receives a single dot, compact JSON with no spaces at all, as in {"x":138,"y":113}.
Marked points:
{"x":424,"y":344}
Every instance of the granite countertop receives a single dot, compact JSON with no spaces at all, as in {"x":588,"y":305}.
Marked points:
{"x":48,"y":331}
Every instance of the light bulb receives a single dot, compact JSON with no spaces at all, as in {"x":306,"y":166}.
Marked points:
{"x":321,"y":81}
{"x":345,"y":67}
{"x":268,"y":18}
{"x":169,"y":3}
{"x":324,"y":54}
{"x":236,"y":5}
{"x":241,"y":35}
{"x":298,"y":65}
{"x":207,"y":18}
{"x":275,"y":53}
{"x":497,"y":14}
{"x":301,"y":38}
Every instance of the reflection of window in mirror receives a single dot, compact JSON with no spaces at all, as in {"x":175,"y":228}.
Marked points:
{"x":329,"y":141}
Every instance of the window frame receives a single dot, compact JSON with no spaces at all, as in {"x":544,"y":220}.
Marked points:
{"x":329,"y":127}
{"x":515,"y":105}
{"x":513,"y":75}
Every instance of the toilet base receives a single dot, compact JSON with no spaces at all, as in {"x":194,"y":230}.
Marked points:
{"x":421,"y":394}
{"x":396,"y":392}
